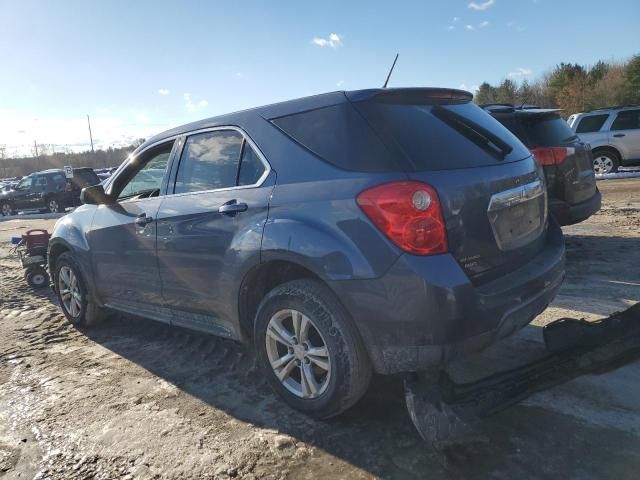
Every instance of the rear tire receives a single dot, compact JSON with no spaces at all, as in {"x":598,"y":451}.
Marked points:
{"x":53,"y":206}
{"x":324,"y":371}
{"x":6,"y":209}
{"x":605,"y":161}
{"x":72,"y":293}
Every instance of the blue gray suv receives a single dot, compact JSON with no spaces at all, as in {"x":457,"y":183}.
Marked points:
{"x":342,"y":234}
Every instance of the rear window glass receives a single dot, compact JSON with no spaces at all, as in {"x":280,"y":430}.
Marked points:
{"x":547,"y":130}
{"x":339,"y":135}
{"x":627,"y":120}
{"x":83,"y":178}
{"x":423,"y":136}
{"x":591,"y":124}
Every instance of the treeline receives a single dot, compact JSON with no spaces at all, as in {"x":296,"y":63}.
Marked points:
{"x":45,"y":159}
{"x":572,"y":87}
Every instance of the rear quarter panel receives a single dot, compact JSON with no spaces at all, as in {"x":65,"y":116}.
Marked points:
{"x":319,"y":226}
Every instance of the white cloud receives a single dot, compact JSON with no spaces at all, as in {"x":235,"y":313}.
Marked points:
{"x":190,"y":105}
{"x":334,"y":41}
{"x":451,"y":27}
{"x":481,"y":6}
{"x":521,"y":72}
{"x":479,"y":25}
{"x":163,"y":91}
{"x":456,"y":19}
{"x":516,"y":26}
{"x":339,"y":83}
{"x":473,"y":88}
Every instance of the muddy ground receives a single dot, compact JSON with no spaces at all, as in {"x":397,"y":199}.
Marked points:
{"x":136,"y":399}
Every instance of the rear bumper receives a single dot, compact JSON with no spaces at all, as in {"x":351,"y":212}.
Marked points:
{"x":425,"y":311}
{"x":567,"y":214}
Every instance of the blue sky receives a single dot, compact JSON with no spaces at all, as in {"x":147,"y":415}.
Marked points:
{"x":138,"y":67}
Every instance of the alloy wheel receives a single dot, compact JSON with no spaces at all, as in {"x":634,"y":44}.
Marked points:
{"x":602,"y":164}
{"x":6,"y":209}
{"x":53,"y":206}
{"x":69,"y":289}
{"x":298,"y":354}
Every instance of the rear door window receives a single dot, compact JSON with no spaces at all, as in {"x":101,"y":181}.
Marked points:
{"x":627,"y":120}
{"x":209,"y":161}
{"x":592,"y":123}
{"x":547,"y":130}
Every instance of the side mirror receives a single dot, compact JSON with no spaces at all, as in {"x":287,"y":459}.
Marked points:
{"x":94,"y":195}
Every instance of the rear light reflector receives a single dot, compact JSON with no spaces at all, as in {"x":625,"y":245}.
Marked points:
{"x":552,"y":155}
{"x":409,"y":214}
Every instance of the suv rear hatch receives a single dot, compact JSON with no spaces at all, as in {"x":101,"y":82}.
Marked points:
{"x":567,"y":162}
{"x":491,"y":190}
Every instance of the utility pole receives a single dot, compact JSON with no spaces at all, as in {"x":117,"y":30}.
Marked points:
{"x":90,"y":136}
{"x":36,"y":148}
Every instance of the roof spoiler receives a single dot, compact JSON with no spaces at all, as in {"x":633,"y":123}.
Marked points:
{"x":411,"y":95}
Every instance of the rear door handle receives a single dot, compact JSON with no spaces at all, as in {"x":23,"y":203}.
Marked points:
{"x":232,"y":207}
{"x":142,"y":220}
{"x":618,"y":135}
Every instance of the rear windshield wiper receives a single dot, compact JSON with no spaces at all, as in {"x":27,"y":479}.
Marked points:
{"x":482,"y":137}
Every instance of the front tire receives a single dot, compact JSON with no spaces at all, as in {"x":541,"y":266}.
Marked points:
{"x":310,"y":352}
{"x":605,"y":161}
{"x":72,"y":293}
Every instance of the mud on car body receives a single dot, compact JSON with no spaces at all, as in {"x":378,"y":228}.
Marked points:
{"x":342,"y":234}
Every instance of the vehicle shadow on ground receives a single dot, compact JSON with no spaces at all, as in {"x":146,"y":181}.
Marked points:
{"x":377,"y":434}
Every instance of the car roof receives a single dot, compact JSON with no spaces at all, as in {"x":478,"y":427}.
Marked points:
{"x":600,"y":111}
{"x":299,"y":105}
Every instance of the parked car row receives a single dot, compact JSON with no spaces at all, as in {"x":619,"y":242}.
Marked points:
{"x":48,"y":190}
{"x":613,"y":133}
{"x":567,"y":161}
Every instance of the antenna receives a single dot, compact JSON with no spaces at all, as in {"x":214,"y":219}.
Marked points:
{"x":390,"y":72}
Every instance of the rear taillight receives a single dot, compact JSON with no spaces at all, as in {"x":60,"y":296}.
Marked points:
{"x":409,"y":213}
{"x":552,"y":155}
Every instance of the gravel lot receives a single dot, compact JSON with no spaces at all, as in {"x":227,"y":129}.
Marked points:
{"x":136,"y":399}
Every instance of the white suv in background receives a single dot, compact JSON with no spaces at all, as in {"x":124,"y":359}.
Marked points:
{"x":613,"y":133}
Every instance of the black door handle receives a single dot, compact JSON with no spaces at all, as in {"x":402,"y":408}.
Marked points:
{"x":233,"y":207}
{"x":618,"y":135}
{"x":142,"y":220}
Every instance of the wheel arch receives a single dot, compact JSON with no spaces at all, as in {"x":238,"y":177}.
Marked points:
{"x":259,"y":281}
{"x":608,"y":148}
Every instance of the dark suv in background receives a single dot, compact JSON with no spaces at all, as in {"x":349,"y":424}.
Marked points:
{"x":48,"y":190}
{"x":567,"y":161}
{"x":345,"y":233}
